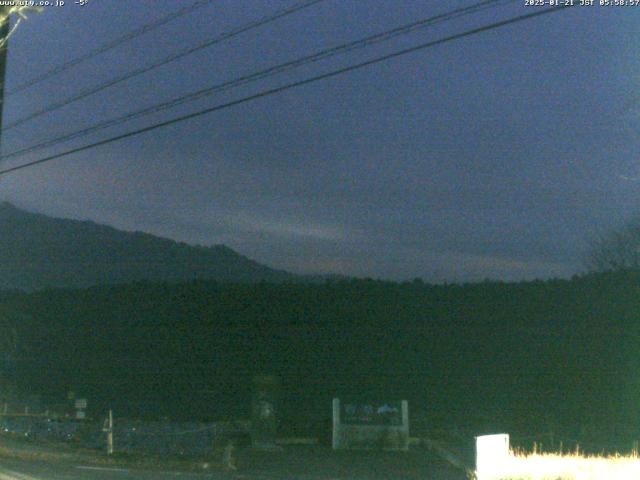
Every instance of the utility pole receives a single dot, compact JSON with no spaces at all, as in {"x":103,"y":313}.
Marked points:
{"x":4,"y":33}
{"x":110,"y":434}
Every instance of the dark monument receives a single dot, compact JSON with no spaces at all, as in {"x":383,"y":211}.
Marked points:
{"x":266,"y":392}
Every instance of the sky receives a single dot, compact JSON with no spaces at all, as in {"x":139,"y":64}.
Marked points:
{"x":496,"y":156}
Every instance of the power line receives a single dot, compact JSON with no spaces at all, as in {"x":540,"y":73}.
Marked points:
{"x":262,"y":74}
{"x":289,"y":86}
{"x":108,"y":46}
{"x":171,"y":58}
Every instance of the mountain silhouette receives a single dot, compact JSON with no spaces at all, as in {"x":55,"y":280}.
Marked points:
{"x":38,"y":251}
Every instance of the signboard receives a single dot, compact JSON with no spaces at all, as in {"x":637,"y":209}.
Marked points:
{"x":492,"y":453}
{"x":371,"y":413}
{"x":81,"y":403}
{"x":370,"y":425}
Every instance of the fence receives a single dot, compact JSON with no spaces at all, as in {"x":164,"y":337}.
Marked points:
{"x":159,"y":437}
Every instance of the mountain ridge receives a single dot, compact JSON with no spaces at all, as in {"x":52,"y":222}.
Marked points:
{"x":39,"y":251}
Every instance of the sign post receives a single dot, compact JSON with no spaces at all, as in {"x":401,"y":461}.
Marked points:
{"x":108,"y":427}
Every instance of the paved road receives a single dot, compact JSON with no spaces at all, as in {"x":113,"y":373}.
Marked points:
{"x":11,"y":469}
{"x":295,"y":465}
{"x":28,"y":470}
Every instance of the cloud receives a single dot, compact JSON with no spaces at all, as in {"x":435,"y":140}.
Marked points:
{"x":285,"y":228}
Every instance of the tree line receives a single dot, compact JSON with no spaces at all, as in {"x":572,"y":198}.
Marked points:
{"x":509,"y":353}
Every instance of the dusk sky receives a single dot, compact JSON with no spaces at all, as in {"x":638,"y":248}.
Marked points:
{"x":498,"y":155}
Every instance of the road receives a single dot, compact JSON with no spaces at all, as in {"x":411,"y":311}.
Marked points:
{"x":296,"y":465}
{"x":12,"y":469}
{"x":30,"y":470}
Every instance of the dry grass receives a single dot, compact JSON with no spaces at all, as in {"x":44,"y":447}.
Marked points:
{"x":574,"y":466}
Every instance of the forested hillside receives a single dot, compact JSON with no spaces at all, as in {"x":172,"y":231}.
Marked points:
{"x":522,"y":355}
